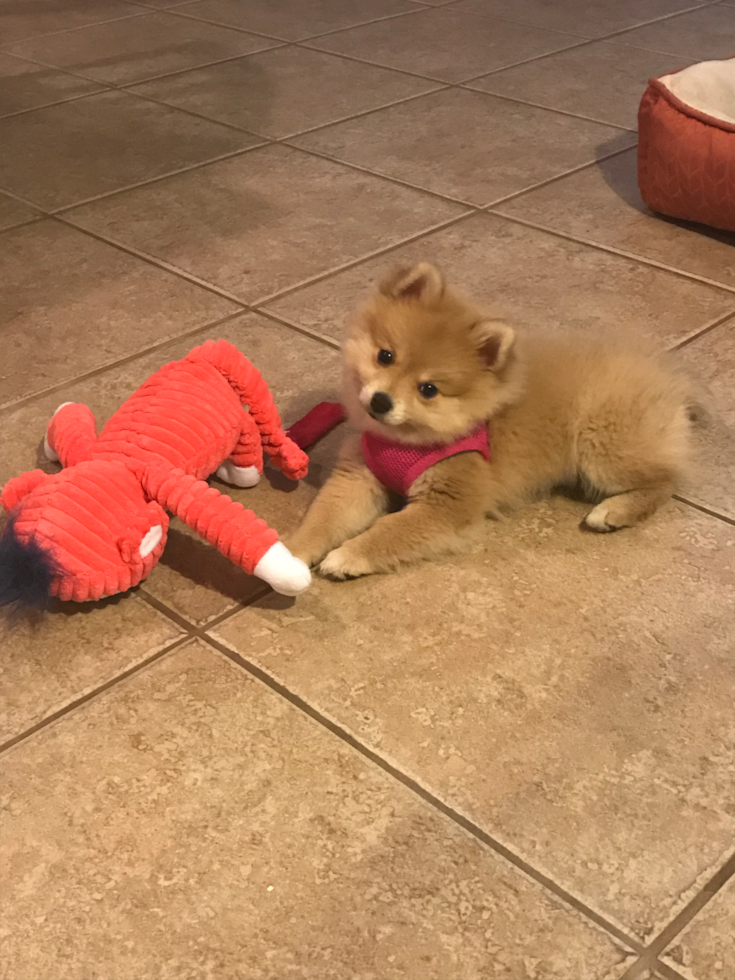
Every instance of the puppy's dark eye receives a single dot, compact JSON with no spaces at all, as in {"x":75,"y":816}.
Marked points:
{"x":428,"y":390}
{"x":385,"y":356}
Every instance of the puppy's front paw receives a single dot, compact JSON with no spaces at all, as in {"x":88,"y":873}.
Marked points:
{"x":345,"y":562}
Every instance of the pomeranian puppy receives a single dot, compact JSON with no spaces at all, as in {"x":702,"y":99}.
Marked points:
{"x":458,"y":419}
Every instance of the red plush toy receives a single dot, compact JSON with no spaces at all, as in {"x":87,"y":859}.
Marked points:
{"x":99,"y":526}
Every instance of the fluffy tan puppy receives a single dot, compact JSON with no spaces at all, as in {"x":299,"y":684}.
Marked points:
{"x":424,"y":367}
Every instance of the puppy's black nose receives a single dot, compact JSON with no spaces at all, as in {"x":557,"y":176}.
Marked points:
{"x":381,"y":403}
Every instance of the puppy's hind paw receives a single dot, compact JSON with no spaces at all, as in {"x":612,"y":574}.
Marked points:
{"x":344,"y":563}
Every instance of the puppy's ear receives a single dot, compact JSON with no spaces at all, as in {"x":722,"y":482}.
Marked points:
{"x":494,"y":341}
{"x":423,"y":282}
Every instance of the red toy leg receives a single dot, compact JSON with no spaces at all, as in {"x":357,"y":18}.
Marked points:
{"x":71,"y":434}
{"x":252,"y":390}
{"x":236,"y":532}
{"x":245,"y":464}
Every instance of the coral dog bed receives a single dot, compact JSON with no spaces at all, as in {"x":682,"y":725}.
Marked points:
{"x":686,"y":149}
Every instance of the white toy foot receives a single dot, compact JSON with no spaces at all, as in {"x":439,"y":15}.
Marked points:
{"x":283,"y":572}
{"x":238,"y":476}
{"x":47,"y":450}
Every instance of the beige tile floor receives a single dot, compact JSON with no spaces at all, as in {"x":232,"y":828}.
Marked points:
{"x":518,"y":764}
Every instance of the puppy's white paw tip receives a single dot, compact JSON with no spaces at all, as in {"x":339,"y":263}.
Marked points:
{"x":598,"y":519}
{"x":238,"y":476}
{"x":282,"y":571}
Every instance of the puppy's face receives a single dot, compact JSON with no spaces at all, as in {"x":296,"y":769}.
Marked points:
{"x":424,"y":365}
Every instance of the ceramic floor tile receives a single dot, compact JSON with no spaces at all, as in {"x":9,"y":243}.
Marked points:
{"x":194,"y":579}
{"x":27,"y":86}
{"x":191,"y":823}
{"x":705,"y":949}
{"x":143,"y":47}
{"x":562,"y":81}
{"x":572,"y":693}
{"x":530,"y":277}
{"x":712,"y":358}
{"x":294,"y":20}
{"x":22,"y":20}
{"x":702,"y":35}
{"x":266,"y":220}
{"x":590,"y":19}
{"x":603,"y":204}
{"x":461,"y":159}
{"x":101,"y":144}
{"x":285,"y":91}
{"x":72,"y":304}
{"x":14,"y":213}
{"x":69,"y":654}
{"x":444,"y":43}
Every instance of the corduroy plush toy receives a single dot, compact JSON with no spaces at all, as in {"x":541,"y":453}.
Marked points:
{"x":99,"y":526}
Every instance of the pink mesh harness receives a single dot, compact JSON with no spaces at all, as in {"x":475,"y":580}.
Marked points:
{"x":397,"y":465}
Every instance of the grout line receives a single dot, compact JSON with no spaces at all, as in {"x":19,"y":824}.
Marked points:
{"x":5,"y":48}
{"x":604,"y":37}
{"x":656,"y":20}
{"x":664,"y":971}
{"x":154,"y":260}
{"x":154,"y":180}
{"x":51,"y":105}
{"x":557,"y":177}
{"x":369,"y":256}
{"x":684,"y":499}
{"x":695,"y":335}
{"x":383,"y":176}
{"x":119,"y":362}
{"x":190,"y":631}
{"x":612,"y":250}
{"x":337,"y":30}
{"x":547,"y":108}
{"x":678,"y":923}
{"x":298,"y":328}
{"x":426,"y":795}
{"x":90,"y":695}
{"x":584,"y":42}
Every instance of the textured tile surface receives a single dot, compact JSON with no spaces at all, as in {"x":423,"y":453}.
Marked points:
{"x":284,"y":91}
{"x":705,"y":950}
{"x":293,"y":20}
{"x":712,"y":357}
{"x":562,"y":81}
{"x":14,"y":213}
{"x":70,"y":653}
{"x":24,"y":85}
{"x":72,"y":304}
{"x":701,"y":35}
{"x":481,"y":148}
{"x":22,"y":20}
{"x":550,"y":686}
{"x":591,"y":19}
{"x":531,"y":277}
{"x":163,"y":831}
{"x":103,"y":143}
{"x":132,"y":50}
{"x":444,"y":43}
{"x":250,"y":226}
{"x":571,"y":694}
{"x":602,"y":204}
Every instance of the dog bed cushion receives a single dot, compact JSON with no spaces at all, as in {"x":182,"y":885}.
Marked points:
{"x":686,"y":148}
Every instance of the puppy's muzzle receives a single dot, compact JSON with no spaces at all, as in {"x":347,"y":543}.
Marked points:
{"x":380,"y":404}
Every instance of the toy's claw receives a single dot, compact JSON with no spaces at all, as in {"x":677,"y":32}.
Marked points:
{"x":238,"y":476}
{"x":282,"y":571}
